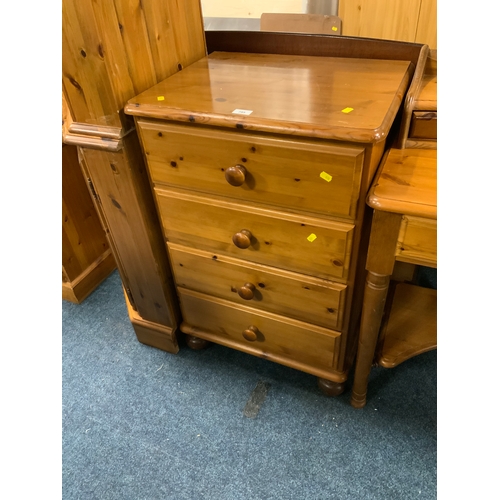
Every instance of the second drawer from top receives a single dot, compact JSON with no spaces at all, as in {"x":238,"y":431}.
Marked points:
{"x":307,"y":245}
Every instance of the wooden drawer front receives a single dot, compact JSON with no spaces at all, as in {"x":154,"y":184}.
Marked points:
{"x":276,"y":335}
{"x":303,"y":175}
{"x":423,"y":125}
{"x":317,"y":247}
{"x":308,"y":299}
{"x":417,"y":241}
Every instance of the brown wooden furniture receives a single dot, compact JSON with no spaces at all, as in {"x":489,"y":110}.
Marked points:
{"x":404,"y":229}
{"x":260,"y":165}
{"x":86,"y":257}
{"x":414,"y":21}
{"x":301,"y":23}
{"x":111,"y":51}
{"x":419,"y":128}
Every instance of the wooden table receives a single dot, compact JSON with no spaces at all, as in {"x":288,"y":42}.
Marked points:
{"x":404,"y":228}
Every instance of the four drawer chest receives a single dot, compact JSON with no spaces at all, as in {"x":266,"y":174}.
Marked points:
{"x":260,"y":165}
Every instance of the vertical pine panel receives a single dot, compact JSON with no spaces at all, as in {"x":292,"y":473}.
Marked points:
{"x":386,"y":19}
{"x":427,"y":24}
{"x":85,"y":77}
{"x":135,"y":37}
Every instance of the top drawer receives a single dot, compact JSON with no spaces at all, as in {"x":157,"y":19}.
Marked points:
{"x":302,"y":175}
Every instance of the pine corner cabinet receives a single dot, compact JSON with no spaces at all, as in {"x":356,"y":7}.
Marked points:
{"x":260,"y":164}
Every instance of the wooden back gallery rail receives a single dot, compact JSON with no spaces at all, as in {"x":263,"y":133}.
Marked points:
{"x":116,"y":50}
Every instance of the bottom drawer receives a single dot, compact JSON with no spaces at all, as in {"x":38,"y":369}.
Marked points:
{"x":259,"y":333}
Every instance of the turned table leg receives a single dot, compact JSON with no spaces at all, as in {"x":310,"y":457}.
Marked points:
{"x":373,"y":308}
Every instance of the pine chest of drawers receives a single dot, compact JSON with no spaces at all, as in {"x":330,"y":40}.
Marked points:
{"x":260,"y":165}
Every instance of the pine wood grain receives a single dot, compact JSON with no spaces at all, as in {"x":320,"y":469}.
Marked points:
{"x":278,"y":239}
{"x":402,"y":337}
{"x":407,"y":184}
{"x":308,"y":176}
{"x":417,"y":241}
{"x":312,"y":100}
{"x":387,"y":19}
{"x":287,"y":338}
{"x":298,"y":296}
{"x":427,"y":24}
{"x":86,"y":255}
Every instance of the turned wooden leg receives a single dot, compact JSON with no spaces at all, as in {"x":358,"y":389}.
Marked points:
{"x":196,"y":343}
{"x":376,"y":289}
{"x":330,"y":388}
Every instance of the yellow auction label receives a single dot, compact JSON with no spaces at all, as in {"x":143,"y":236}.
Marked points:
{"x":325,"y":176}
{"x":311,"y":237}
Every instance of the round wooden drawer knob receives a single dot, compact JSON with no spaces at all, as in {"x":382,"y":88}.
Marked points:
{"x":236,"y":175}
{"x":246,"y":291}
{"x":243,"y":239}
{"x":250,"y":333}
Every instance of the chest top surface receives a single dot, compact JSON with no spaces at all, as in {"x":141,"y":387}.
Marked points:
{"x":324,"y":97}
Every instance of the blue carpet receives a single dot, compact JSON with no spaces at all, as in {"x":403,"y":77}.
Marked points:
{"x":139,"y":423}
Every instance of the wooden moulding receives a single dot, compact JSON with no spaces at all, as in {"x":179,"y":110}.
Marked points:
{"x":151,"y":333}
{"x":95,"y":137}
{"x":79,"y":289}
{"x":105,"y":138}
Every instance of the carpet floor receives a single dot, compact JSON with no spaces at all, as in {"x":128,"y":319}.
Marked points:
{"x":218,"y":424}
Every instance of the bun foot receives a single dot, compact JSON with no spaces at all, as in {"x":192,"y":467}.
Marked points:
{"x":196,"y":343}
{"x":330,"y":388}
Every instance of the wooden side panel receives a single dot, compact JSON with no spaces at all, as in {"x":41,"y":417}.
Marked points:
{"x":387,"y":19}
{"x":83,"y":237}
{"x":122,"y":185}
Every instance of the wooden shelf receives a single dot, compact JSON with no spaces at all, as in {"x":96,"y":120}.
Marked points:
{"x":411,"y":327}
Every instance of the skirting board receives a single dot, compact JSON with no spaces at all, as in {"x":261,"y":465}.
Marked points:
{"x":80,"y":288}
